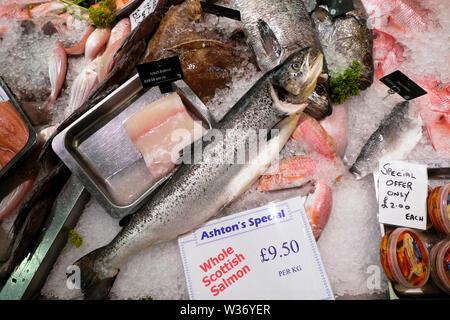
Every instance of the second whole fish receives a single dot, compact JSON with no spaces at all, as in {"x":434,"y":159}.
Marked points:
{"x":396,"y":136}
{"x":213,"y":182}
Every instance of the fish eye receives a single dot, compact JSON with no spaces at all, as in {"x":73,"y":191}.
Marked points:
{"x":296,"y":66}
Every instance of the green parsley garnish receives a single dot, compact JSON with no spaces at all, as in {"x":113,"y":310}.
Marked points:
{"x":345,"y":85}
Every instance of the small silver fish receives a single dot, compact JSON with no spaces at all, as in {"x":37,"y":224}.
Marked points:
{"x":197,"y":191}
{"x":396,"y":136}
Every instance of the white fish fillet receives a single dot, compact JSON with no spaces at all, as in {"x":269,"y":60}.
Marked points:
{"x":159,"y":131}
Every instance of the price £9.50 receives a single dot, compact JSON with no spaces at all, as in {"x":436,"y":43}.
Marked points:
{"x":286,"y":248}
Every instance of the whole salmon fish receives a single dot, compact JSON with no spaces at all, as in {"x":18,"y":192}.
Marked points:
{"x":198,"y":190}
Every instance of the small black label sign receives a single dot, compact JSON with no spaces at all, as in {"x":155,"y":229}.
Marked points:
{"x":338,"y":8}
{"x":160,"y":73}
{"x":221,"y":11}
{"x":404,"y":86}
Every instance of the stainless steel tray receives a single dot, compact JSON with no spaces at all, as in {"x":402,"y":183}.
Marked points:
{"x":438,"y":174}
{"x":30,"y":275}
{"x":32,"y":135}
{"x":97,"y":149}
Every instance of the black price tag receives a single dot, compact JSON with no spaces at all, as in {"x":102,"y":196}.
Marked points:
{"x":404,"y":86}
{"x":221,"y":11}
{"x":160,"y":73}
{"x":338,"y":8}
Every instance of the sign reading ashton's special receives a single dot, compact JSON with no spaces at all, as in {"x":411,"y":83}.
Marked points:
{"x":263,"y":253}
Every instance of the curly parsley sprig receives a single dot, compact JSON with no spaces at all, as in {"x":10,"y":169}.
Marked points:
{"x":346,"y":85}
{"x":101,"y":16}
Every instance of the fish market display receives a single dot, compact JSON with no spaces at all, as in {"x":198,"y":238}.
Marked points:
{"x":13,"y":133}
{"x":160,"y":131}
{"x":276,"y":28}
{"x":344,"y":40}
{"x":213,"y":182}
{"x":396,"y":136}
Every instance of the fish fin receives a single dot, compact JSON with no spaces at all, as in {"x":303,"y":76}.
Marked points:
{"x":269,"y":41}
{"x":93,"y":287}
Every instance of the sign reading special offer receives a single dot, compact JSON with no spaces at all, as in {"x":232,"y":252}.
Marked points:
{"x":263,"y":253}
{"x":402,"y":193}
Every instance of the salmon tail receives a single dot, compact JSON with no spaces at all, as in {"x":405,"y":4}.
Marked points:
{"x":94,"y":286}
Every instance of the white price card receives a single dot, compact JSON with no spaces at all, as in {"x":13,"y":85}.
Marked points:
{"x":144,"y":10}
{"x":402,"y":193}
{"x":263,"y":253}
{"x":3,"y":95}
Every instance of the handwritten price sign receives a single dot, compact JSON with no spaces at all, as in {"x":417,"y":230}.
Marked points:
{"x":402,"y":194}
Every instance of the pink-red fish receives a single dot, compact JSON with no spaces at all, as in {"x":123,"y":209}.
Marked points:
{"x":96,"y":41}
{"x":47,"y":9}
{"x":13,"y":10}
{"x":290,"y":172}
{"x":438,"y":129}
{"x":387,"y":53}
{"x":82,"y":86}
{"x":118,"y":35}
{"x":336,"y":126}
{"x":402,"y":15}
{"x":57,"y":68}
{"x":15,"y":197}
{"x":318,"y":207}
{"x":80,"y":46}
{"x":438,"y":94}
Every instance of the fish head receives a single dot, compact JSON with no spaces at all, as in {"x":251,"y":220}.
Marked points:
{"x":297,"y":78}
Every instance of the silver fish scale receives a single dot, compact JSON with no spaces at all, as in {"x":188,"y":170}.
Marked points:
{"x":288,"y":19}
{"x":195,"y":192}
